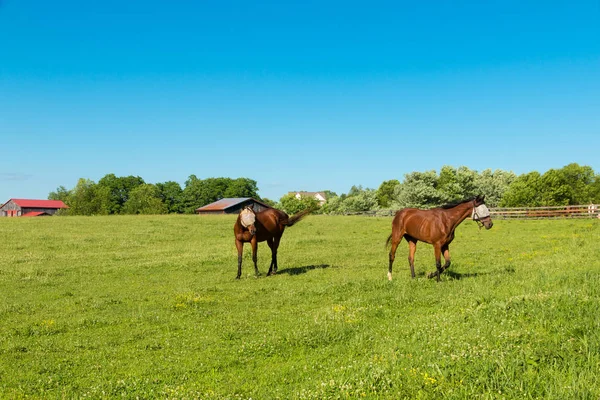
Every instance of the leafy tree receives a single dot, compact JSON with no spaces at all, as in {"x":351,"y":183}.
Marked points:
{"x":191,"y":195}
{"x":385,"y":192}
{"x":291,"y":205}
{"x":456,"y":184}
{"x":524,"y":191}
{"x":357,"y":200}
{"x":572,"y":184}
{"x":580,"y":180}
{"x":269,"y":202}
{"x":493,"y":185}
{"x":171,"y":195}
{"x":242,"y":187}
{"x":555,"y":190}
{"x":198,"y":192}
{"x":333,"y":205}
{"x":419,"y":189}
{"x":594,"y":190}
{"x":329,"y":194}
{"x":118,"y":189}
{"x":87,"y":198}
{"x":365,"y":200}
{"x":144,"y":199}
{"x":354,"y":190}
{"x":61,"y":194}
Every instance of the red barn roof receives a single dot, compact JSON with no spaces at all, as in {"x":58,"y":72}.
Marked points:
{"x":28,"y":203}
{"x":34,"y":214}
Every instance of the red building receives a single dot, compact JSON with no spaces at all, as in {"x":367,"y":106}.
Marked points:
{"x":30,"y":208}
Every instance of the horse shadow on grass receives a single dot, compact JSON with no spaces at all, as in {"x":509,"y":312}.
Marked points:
{"x":302,"y":270}
{"x":458,"y":276}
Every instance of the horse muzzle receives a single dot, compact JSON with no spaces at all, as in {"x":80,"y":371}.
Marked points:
{"x":252,"y":230}
{"x":487,"y":223}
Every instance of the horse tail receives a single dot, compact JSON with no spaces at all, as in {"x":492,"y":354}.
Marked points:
{"x":298,"y":216}
{"x":388,"y":241}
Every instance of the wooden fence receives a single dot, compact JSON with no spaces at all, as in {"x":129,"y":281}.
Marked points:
{"x":581,"y":211}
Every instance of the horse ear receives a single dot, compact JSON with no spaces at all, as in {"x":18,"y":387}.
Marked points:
{"x":481,"y":198}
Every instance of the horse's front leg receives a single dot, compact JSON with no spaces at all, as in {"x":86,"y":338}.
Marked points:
{"x":254,"y":244}
{"x":437,"y":249}
{"x":240,"y":249}
{"x":392,"y":256}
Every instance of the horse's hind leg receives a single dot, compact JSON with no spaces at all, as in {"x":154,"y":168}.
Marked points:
{"x":412,"y":248}
{"x":395,"y":243}
{"x":273,"y":256}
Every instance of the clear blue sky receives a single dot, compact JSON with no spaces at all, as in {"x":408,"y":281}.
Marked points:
{"x":303,"y":95}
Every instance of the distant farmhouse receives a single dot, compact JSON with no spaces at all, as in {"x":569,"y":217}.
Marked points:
{"x":231,"y":206}
{"x":30,"y":208}
{"x":320,"y":196}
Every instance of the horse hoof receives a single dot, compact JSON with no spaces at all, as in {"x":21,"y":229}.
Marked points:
{"x":389,"y":276}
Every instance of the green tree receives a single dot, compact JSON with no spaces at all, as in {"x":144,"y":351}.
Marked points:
{"x":456,"y":184}
{"x":524,"y":191}
{"x":329,"y":194}
{"x":242,"y":187}
{"x":87,"y":198}
{"x":385,"y":192}
{"x":554,"y":189}
{"x":594,"y":190}
{"x":198,"y":192}
{"x":118,"y":189}
{"x":269,"y":202}
{"x":494,"y":185}
{"x":171,"y":195}
{"x":365,"y":200}
{"x":61,"y":194}
{"x":580,"y":179}
{"x":291,"y":205}
{"x":333,"y":205}
{"x":419,"y":190}
{"x":144,"y":199}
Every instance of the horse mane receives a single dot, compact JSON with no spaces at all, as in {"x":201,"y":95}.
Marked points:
{"x":457,"y":203}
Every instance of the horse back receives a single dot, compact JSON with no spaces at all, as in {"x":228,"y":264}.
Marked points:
{"x":271,"y":223}
{"x":424,"y":225}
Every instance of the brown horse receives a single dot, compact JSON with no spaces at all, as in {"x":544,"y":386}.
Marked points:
{"x":257,"y":227}
{"x":436,"y":227}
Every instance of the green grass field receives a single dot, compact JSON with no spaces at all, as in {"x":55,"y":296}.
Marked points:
{"x":148,"y":307}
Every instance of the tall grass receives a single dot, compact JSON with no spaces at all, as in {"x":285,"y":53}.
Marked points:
{"x":148,"y":307}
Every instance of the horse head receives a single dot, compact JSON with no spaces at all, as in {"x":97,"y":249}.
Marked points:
{"x":481,"y":214}
{"x":248,"y":218}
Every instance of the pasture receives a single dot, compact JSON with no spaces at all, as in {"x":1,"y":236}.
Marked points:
{"x":148,"y":307}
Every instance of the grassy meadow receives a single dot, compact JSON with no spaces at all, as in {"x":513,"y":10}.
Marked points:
{"x":148,"y":307}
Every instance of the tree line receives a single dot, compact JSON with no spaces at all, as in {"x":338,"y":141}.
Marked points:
{"x":570,"y":185}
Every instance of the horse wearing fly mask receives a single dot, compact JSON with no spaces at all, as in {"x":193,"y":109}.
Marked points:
{"x":436,"y":227}
{"x":267,"y":225}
